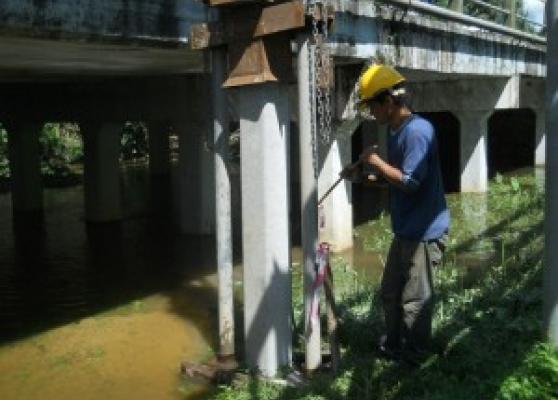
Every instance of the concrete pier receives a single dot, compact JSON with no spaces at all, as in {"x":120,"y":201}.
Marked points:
{"x":102,"y":171}
{"x":540,"y":138}
{"x":337,"y":208}
{"x":195,"y":182}
{"x":159,"y":168}
{"x":223,"y":219}
{"x":159,"y":151}
{"x":308,"y":156}
{"x":25,"y":166}
{"x":473,"y":137}
{"x":264,"y":126}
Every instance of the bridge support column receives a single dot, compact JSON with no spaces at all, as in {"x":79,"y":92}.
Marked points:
{"x":159,"y":152}
{"x":474,"y":162}
{"x":550,"y":284}
{"x":223,"y":221}
{"x":337,"y":208}
{"x":25,"y":166}
{"x":159,"y":168}
{"x":264,"y":126}
{"x":102,"y":171}
{"x":308,"y":198}
{"x":540,"y":138}
{"x":195,"y":180}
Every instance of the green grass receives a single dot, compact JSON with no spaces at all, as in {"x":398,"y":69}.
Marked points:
{"x":487,"y":327}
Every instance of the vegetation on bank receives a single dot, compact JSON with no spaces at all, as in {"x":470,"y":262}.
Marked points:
{"x":61,"y":150}
{"x":487,"y":329}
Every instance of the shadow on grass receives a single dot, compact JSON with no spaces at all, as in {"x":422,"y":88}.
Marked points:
{"x":487,"y":323}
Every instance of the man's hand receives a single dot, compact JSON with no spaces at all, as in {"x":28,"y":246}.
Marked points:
{"x":350,"y":171}
{"x":371,"y":157}
{"x":390,"y":173}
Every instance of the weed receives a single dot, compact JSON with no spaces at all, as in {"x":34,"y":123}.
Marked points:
{"x":487,"y":319}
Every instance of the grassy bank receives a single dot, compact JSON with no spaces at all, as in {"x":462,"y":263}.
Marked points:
{"x":487,"y":328}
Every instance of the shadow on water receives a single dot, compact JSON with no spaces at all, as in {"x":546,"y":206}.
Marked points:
{"x":55,"y":268}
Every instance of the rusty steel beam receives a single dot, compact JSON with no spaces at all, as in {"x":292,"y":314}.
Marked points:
{"x":243,"y":23}
{"x":266,"y":59}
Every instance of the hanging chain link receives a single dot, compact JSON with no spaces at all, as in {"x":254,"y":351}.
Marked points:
{"x":319,"y":73}
{"x":312,"y":88}
{"x":322,"y":65}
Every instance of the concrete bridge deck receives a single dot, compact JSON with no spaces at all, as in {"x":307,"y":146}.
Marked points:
{"x":46,"y":39}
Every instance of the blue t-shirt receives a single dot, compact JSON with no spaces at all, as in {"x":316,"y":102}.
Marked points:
{"x":419,"y":210}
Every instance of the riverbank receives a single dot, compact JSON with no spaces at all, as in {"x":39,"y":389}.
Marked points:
{"x":487,"y":329}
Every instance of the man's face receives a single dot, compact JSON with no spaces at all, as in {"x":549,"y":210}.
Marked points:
{"x":381,"y":111}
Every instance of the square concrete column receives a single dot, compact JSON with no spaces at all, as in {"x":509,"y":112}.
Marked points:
{"x":102,"y":171}
{"x":264,"y":131}
{"x":194,"y":183}
{"x":159,"y":168}
{"x":336,"y":226}
{"x":473,"y":150}
{"x":159,"y":151}
{"x":25,"y":166}
{"x":540,"y":138}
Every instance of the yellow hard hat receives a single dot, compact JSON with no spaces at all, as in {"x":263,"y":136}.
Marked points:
{"x":376,"y":79}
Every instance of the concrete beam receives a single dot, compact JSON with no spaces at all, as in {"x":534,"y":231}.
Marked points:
{"x":94,"y":99}
{"x":471,"y":94}
{"x":158,"y":20}
{"x":264,"y":125}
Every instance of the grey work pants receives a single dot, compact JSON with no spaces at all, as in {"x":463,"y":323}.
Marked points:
{"x":407,"y":292}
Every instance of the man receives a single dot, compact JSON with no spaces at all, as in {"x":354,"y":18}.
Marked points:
{"x":419,"y":215}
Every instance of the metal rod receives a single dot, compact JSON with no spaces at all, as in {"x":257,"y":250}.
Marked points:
{"x":324,"y":196}
{"x":491,"y":6}
{"x":328,"y":191}
{"x":550,"y":284}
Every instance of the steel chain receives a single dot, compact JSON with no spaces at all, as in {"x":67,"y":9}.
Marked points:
{"x":312,"y":73}
{"x":319,"y":64}
{"x":326,"y":73}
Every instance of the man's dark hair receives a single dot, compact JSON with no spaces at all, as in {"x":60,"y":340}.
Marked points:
{"x":398,"y":93}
